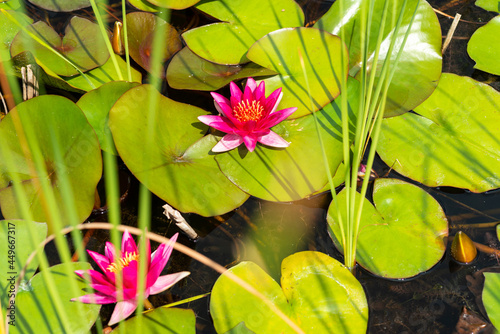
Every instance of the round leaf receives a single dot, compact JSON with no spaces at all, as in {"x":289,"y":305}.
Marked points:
{"x":9,"y":29}
{"x":83,"y":44}
{"x":491,"y":297}
{"x":174,"y":4}
{"x":227,"y":42}
{"x":491,"y":5}
{"x":402,"y":236}
{"x":177,"y":164}
{"x":35,"y":309}
{"x":286,"y":51}
{"x":161,"y":320}
{"x":96,"y":105}
{"x":70,"y":152}
{"x":10,"y":5}
{"x":144,"y":5}
{"x":318,"y":293}
{"x":61,"y":5}
{"x":297,"y":171}
{"x":188,"y":71}
{"x":484,"y":47}
{"x":141,"y":30}
{"x":455,"y":140}
{"x":419,"y":66}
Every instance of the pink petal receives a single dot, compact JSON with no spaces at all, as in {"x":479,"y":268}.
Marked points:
{"x":250,"y":142}
{"x":95,"y":277}
{"x":273,"y":100}
{"x":122,"y":310}
{"x":222,"y":104}
{"x":260,"y":93}
{"x":277,"y":117}
{"x":95,"y":298}
{"x":128,"y":243}
{"x":248,"y":94}
{"x":217,"y":122}
{"x":251,"y":84}
{"x":159,"y":259}
{"x":104,"y":289}
{"x":235,"y":91}
{"x":228,"y":142}
{"x":110,"y":251}
{"x":101,"y":260}
{"x":273,"y":139}
{"x":130,"y":275}
{"x":165,"y":282}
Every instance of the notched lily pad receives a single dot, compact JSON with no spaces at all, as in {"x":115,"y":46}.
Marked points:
{"x":161,"y":142}
{"x":317,"y":293}
{"x":285,"y":50}
{"x":491,"y":5}
{"x":141,"y":30}
{"x":82,"y":44}
{"x":484,"y":46}
{"x":227,"y":42}
{"x":401,"y":236}
{"x":188,"y":71}
{"x":61,"y":5}
{"x":71,"y":156}
{"x":419,"y":66}
{"x":162,"y":320}
{"x":453,"y":141}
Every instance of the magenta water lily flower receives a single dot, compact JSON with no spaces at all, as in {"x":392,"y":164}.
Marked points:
{"x":112,"y":264}
{"x":247,"y":117}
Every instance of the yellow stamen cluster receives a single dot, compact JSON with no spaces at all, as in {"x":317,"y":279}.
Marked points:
{"x":123,"y":262}
{"x":248,"y":111}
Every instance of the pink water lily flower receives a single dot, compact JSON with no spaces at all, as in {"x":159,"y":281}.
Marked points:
{"x":247,"y":117}
{"x":105,"y":285}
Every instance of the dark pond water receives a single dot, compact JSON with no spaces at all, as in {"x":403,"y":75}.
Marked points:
{"x":266,"y":232}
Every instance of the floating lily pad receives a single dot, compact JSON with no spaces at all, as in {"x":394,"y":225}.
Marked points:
{"x":61,"y":130}
{"x":96,"y":105}
{"x":452,"y":142}
{"x":35,"y":308}
{"x":141,"y":29}
{"x":10,"y":5}
{"x":401,"y":236}
{"x":177,"y":164}
{"x":281,"y":51}
{"x":297,"y":171}
{"x":9,"y":29}
{"x":188,"y":71}
{"x":484,"y":47}
{"x":491,"y":5}
{"x":419,"y":67}
{"x":174,"y":4}
{"x":317,"y":292}
{"x":161,"y":320}
{"x":227,"y":42}
{"x":20,"y":237}
{"x":491,"y":297}
{"x":61,"y":5}
{"x":144,"y":5}
{"x":82,"y":44}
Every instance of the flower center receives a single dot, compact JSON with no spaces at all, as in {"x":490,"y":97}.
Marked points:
{"x":248,"y":111}
{"x":123,"y":262}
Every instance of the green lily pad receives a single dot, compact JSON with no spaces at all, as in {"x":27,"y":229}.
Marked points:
{"x":82,"y":44}
{"x":96,"y":105}
{"x":17,"y":236}
{"x":35,"y":309}
{"x":484,"y":47}
{"x":61,"y":5}
{"x":10,"y":5}
{"x":491,"y":5}
{"x":295,"y":172}
{"x":174,"y":4}
{"x":79,"y":165}
{"x":491,"y":297}
{"x":177,"y":165}
{"x":227,"y":42}
{"x":452,"y":142}
{"x":419,"y":67}
{"x":9,"y":29}
{"x":161,"y":320}
{"x":188,"y":71}
{"x":144,"y":5}
{"x":317,"y":292}
{"x":240,"y":329}
{"x":141,"y":29}
{"x":281,"y":51}
{"x":401,"y":236}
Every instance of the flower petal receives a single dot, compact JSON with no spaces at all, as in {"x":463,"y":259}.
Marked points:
{"x":94,"y":276}
{"x":260,"y":93}
{"x":228,"y":142}
{"x":122,"y":310}
{"x":101,"y":260}
{"x":110,"y":251}
{"x":165,"y":282}
{"x":273,"y":100}
{"x":128,"y":243}
{"x":104,"y":289}
{"x":95,"y":298}
{"x":217,"y":122}
{"x":159,"y":260}
{"x":273,"y":139}
{"x":251,"y":84}
{"x":250,"y":142}
{"x":248,"y":94}
{"x":130,"y":275}
{"x":277,"y":117}
{"x":235,"y":91}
